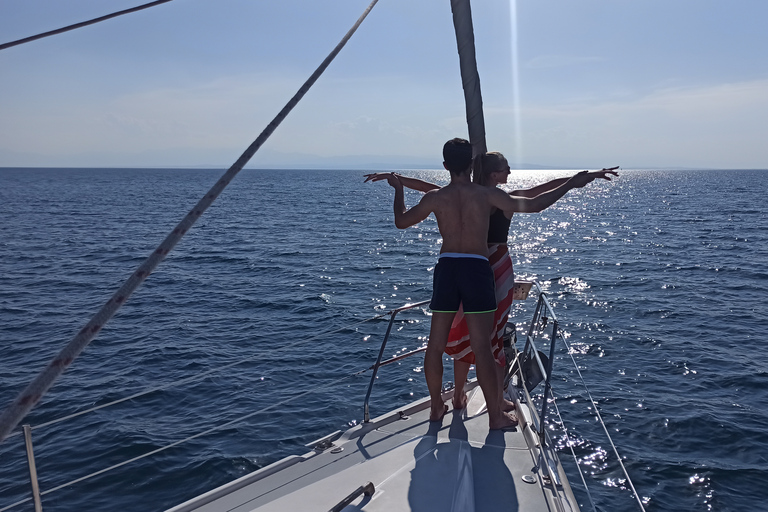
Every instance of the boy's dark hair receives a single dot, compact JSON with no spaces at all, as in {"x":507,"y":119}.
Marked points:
{"x":457,"y":155}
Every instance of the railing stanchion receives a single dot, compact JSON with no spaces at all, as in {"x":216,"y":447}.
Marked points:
{"x":393,"y":313}
{"x":32,"y":468}
{"x":547,"y":382}
{"x":366,"y":413}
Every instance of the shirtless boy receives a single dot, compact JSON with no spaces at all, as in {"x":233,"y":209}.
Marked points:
{"x":463,"y":274}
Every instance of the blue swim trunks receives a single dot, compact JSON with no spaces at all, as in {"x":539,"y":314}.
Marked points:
{"x":463,"y":278}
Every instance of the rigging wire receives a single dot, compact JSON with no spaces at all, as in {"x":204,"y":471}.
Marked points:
{"x":213,"y":429}
{"x":81,"y":24}
{"x":573,"y":453}
{"x":28,"y":398}
{"x":602,"y":423}
{"x":558,"y":334}
{"x":194,"y":436}
{"x":199,"y":376}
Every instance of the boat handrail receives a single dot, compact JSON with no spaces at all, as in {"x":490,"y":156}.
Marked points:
{"x":197,"y":377}
{"x":27,"y":429}
{"x":542,"y":306}
{"x":569,"y":351}
{"x":378,"y":364}
{"x":177,"y":443}
{"x":544,"y":314}
{"x":367,"y":489}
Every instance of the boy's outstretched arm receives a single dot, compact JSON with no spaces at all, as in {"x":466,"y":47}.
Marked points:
{"x":407,"y":181}
{"x":542,"y":201}
{"x":406,"y":218}
{"x":553,"y":184}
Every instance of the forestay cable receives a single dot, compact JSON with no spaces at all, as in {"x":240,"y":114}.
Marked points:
{"x":37,"y":388}
{"x":81,"y":24}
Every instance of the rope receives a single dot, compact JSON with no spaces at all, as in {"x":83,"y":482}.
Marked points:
{"x":602,"y":423}
{"x":37,"y":388}
{"x":81,"y":24}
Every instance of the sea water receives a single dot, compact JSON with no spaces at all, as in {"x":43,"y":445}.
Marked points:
{"x":659,"y":279}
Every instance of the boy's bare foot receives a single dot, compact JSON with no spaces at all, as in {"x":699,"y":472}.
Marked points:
{"x":507,"y":406}
{"x":459,"y":401}
{"x":437,"y":415}
{"x":507,"y":420}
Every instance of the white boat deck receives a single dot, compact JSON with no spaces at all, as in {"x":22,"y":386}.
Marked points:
{"x":414,"y":465}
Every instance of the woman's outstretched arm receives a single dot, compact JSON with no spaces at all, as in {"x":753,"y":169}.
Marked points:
{"x":551,"y":185}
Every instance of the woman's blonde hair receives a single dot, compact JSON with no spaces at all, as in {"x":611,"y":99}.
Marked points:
{"x":492,"y":161}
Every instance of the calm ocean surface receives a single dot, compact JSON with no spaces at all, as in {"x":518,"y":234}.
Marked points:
{"x":660,"y":279}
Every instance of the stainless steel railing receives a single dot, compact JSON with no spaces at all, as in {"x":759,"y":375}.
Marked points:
{"x":378,"y":364}
{"x":26,"y":431}
{"x":533,"y":367}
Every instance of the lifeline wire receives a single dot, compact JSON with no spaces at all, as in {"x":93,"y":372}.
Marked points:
{"x":176,"y":443}
{"x":602,"y":423}
{"x":81,"y":24}
{"x":242,"y":418}
{"x":37,"y":388}
{"x":197,"y":377}
{"x":573,"y":453}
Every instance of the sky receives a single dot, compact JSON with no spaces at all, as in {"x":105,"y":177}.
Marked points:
{"x":566,"y":84}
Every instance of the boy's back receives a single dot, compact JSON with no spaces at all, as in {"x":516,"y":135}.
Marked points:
{"x":462,"y":210}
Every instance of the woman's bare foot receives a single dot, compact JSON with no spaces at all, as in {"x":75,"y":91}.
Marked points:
{"x":507,"y":420}
{"x":507,"y":406}
{"x":459,"y":401}
{"x":437,"y":415}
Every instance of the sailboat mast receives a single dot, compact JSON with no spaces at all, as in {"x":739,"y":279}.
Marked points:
{"x":470,"y":79}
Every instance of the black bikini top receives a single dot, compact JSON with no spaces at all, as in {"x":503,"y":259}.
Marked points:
{"x":498,"y":228}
